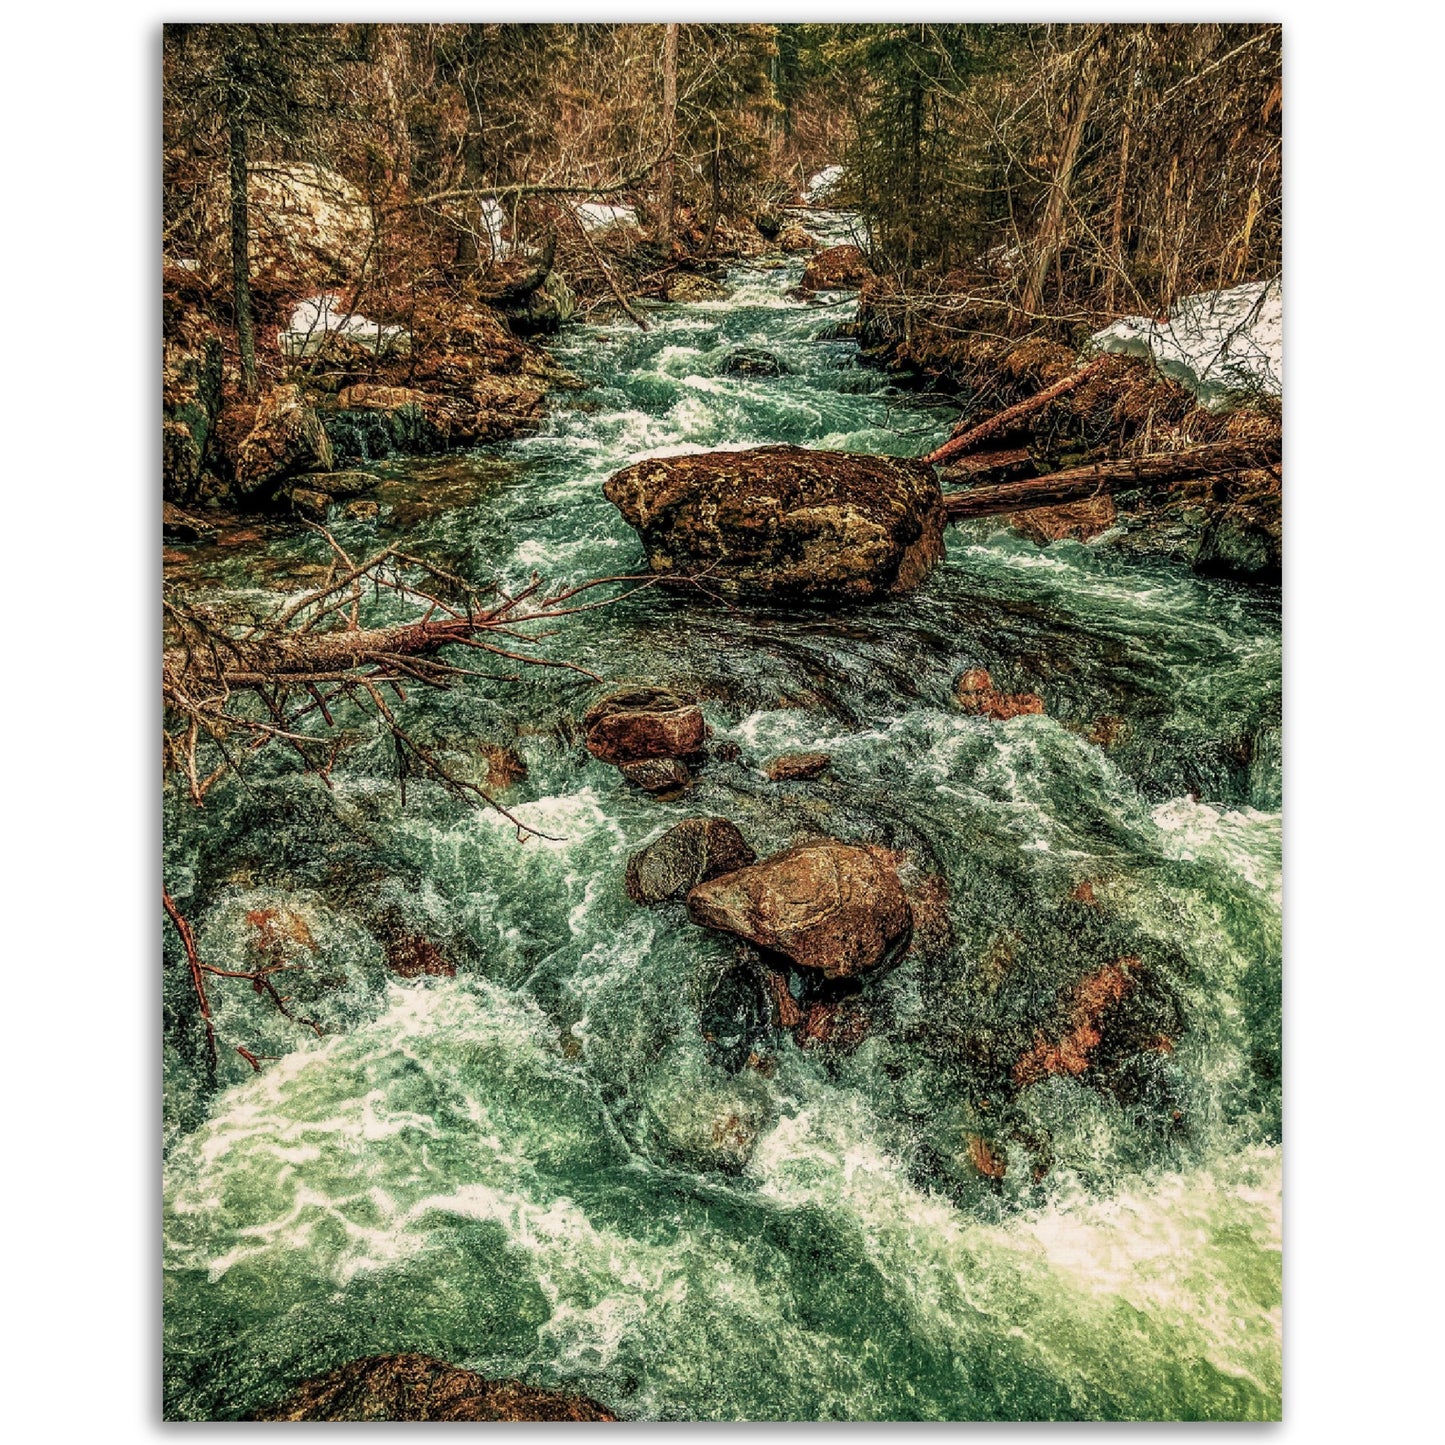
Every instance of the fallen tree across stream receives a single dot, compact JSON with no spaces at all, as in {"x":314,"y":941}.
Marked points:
{"x":1159,"y":469}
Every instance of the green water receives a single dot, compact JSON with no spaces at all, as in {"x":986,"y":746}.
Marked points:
{"x":541,"y":1168}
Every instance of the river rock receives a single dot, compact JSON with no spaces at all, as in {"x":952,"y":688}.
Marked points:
{"x":974,"y":692}
{"x":641,"y":723}
{"x":794,"y":238}
{"x":826,"y":905}
{"x":839,"y":268}
{"x":687,"y":286}
{"x":1076,"y":521}
{"x":656,"y":775}
{"x":309,"y":502}
{"x":797,"y":767}
{"x":1243,"y":536}
{"x":419,"y":1387}
{"x":694,"y":851}
{"x":752,"y":361}
{"x":787,"y":521}
{"x":286,"y":438}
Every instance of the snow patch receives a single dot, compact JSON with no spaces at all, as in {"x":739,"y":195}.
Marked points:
{"x":597,"y":217}
{"x":1219,"y":344}
{"x":314,"y":317}
{"x":823,"y":184}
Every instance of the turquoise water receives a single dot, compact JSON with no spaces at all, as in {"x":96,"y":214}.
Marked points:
{"x":541,"y":1167}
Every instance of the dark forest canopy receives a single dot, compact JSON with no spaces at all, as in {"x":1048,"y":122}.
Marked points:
{"x":1065,"y":171}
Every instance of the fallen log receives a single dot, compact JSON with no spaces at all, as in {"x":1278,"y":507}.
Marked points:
{"x":1004,"y":459}
{"x":1127,"y":473}
{"x":963,"y":441}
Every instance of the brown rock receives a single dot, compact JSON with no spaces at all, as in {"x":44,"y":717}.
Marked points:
{"x":836,"y":1025}
{"x":1108,"y":731}
{"x":687,"y":286}
{"x":796,"y":767}
{"x":990,"y":1159}
{"x":727,"y":752}
{"x":418,"y":1387}
{"x":361,"y":511}
{"x":642,"y":723}
{"x":1076,"y":520}
{"x":410,"y":956}
{"x":974,"y":692}
{"x":309,"y":502}
{"x":1071,"y":1052}
{"x":690,"y":853}
{"x":368,"y":396}
{"x":504,"y":766}
{"x":784,"y":520}
{"x":656,"y":775}
{"x":287,"y":437}
{"x":826,"y":905}
{"x":794,"y":238}
{"x":839,"y":268}
{"x":785,"y":1007}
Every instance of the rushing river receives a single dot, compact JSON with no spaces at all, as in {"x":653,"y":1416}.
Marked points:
{"x":542,"y":1168}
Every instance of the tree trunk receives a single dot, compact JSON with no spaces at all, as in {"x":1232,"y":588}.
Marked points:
{"x":241,"y":254}
{"x":669,"y":132}
{"x":1051,"y":229}
{"x":1077,"y":483}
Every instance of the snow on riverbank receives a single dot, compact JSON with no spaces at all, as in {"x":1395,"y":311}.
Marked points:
{"x":1218,"y":344}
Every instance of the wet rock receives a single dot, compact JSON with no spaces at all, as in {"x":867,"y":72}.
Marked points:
{"x":988,"y":1157}
{"x":179,"y":526}
{"x":794,"y":238}
{"x":361,"y":511}
{"x":727,"y":752}
{"x":734,"y":1017}
{"x":419,"y":1387}
{"x":505,"y":766}
{"x":1072,"y":1051}
{"x":786,"y":1012}
{"x":694,"y":851}
{"x":287,"y":438}
{"x":974,"y":692}
{"x":368,"y":396}
{"x":191,"y":406}
{"x":826,"y":905}
{"x":1109,"y":731}
{"x":686,"y":286}
{"x":1243,"y":536}
{"x":1076,"y":521}
{"x":839,"y":268}
{"x":752,"y":361}
{"x":796,"y":767}
{"x":643,"y":723}
{"x":661,"y":776}
{"x":308,"y":502}
{"x":410,"y":955}
{"x":787,"y":521}
{"x":833,"y":1025}
{"x":341,"y":485}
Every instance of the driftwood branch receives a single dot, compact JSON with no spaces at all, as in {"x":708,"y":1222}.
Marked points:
{"x":963,"y":441}
{"x":1078,"y":483}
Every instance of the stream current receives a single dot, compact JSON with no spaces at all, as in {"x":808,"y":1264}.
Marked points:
{"x":552,"y":1166}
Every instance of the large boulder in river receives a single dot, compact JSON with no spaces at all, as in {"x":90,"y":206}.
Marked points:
{"x":418,"y":1387}
{"x":694,"y":851}
{"x":642,"y":723}
{"x":287,"y":437}
{"x":786,"y":521}
{"x":826,"y":905}
{"x":839,"y":268}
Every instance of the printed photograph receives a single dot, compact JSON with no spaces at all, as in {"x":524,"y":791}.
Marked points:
{"x":721,"y":721}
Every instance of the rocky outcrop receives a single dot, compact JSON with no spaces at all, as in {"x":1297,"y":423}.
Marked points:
{"x":797,"y":767}
{"x":287,"y":437}
{"x":826,"y":905}
{"x":839,"y":268}
{"x":419,"y":1387}
{"x":975,"y":693}
{"x":643,"y":723}
{"x":690,"y":853}
{"x":787,"y":521}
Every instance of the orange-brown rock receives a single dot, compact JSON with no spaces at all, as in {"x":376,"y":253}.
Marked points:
{"x":368,"y":396}
{"x":787,"y":521}
{"x":504,"y":766}
{"x":989,"y":1158}
{"x":1070,"y":1054}
{"x":974,"y":692}
{"x":839,"y":268}
{"x":794,"y":238}
{"x":642,"y":723}
{"x":837,"y":1025}
{"x":286,"y":438}
{"x":785,"y":1007}
{"x":1108,"y":731}
{"x":418,"y":1387}
{"x":664,"y":777}
{"x":797,"y":767}
{"x":826,"y":905}
{"x":1078,"y":521}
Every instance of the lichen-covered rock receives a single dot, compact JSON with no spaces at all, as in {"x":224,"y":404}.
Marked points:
{"x":419,"y":1387}
{"x":641,"y":723}
{"x":787,"y":521}
{"x":688,"y":286}
{"x":287,"y":437}
{"x":690,"y":853}
{"x":826,"y":905}
{"x":839,"y":268}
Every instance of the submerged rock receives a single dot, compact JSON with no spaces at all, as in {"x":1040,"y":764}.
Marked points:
{"x":657,"y":775}
{"x":752,"y":361}
{"x":787,"y":521}
{"x":287,"y":437}
{"x":826,"y":905}
{"x":643,"y":723}
{"x":694,"y":851}
{"x":419,"y":1387}
{"x":797,"y":767}
{"x":839,"y":268}
{"x":974,"y":692}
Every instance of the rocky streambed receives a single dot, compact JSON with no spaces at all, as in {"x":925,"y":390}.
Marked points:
{"x":882,"y":1019}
